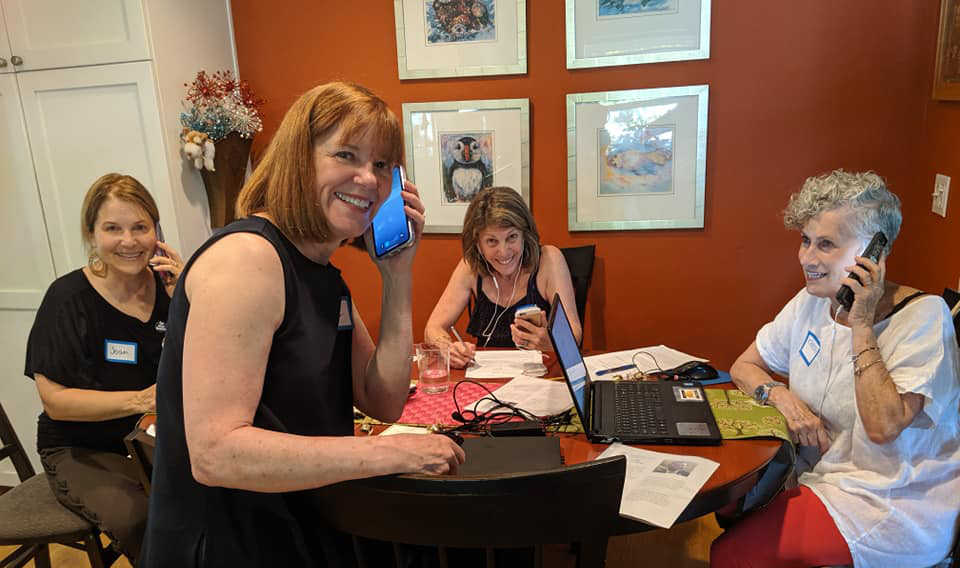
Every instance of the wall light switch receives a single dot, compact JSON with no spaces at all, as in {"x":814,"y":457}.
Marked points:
{"x":941,"y":190}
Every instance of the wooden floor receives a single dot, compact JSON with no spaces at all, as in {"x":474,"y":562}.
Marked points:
{"x":684,"y":546}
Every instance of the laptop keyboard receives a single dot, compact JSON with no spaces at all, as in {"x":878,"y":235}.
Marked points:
{"x":639,"y":409}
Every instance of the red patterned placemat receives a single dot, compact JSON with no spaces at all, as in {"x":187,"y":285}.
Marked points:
{"x":425,"y":408}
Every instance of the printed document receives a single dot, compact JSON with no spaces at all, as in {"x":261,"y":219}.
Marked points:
{"x":659,"y":486}
{"x":649,"y":359}
{"x":539,"y":397}
{"x":503,"y":363}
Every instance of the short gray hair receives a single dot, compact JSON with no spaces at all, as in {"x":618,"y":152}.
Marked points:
{"x":873,"y":207}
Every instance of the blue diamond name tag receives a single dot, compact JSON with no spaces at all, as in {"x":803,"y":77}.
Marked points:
{"x":810,"y":348}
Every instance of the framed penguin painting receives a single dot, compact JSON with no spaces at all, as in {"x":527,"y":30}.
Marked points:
{"x":454,"y":149}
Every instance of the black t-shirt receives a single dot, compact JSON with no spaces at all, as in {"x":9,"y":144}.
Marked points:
{"x":79,"y":340}
{"x":307,"y":390}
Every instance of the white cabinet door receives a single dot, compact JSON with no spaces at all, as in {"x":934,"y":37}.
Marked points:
{"x":27,"y":266}
{"x":83,"y":123}
{"x":66,"y":33}
{"x":5,"y":65}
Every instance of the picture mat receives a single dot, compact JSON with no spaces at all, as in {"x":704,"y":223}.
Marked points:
{"x":681,"y":208}
{"x":633,"y":39}
{"x":423,"y":123}
{"x":416,"y":59}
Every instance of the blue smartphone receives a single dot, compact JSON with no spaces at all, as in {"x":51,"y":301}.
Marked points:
{"x":392,"y":231}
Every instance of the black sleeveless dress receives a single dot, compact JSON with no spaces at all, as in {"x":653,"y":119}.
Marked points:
{"x":488,"y":318}
{"x":307,"y":390}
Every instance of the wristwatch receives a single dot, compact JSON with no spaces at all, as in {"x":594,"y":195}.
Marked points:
{"x":762,"y":392}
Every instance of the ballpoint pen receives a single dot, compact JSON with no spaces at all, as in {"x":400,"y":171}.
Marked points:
{"x":473,"y":360}
{"x":615,"y":369}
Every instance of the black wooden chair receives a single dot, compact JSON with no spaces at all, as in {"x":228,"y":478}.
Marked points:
{"x":580,"y":263}
{"x":952,"y":298}
{"x":488,"y":515}
{"x":140,"y":446}
{"x":31,"y":517}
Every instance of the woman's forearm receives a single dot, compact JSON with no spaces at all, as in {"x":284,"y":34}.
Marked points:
{"x":255,"y":459}
{"x":883,"y":410}
{"x":88,"y":405}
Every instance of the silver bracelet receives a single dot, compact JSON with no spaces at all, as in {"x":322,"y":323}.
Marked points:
{"x":857,"y":371}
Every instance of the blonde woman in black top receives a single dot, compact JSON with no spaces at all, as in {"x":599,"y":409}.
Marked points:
{"x":93,"y":352}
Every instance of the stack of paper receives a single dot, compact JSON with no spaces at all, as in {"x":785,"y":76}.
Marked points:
{"x":645,"y":358}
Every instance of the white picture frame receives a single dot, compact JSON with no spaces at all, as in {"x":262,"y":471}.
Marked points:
{"x":637,"y":159}
{"x":602,"y":33}
{"x":490,"y":38}
{"x":449,"y":142}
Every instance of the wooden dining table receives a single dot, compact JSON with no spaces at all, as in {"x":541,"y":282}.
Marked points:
{"x":741,"y":461}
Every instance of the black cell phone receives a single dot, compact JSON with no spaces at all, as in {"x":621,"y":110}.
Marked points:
{"x":873,"y":251}
{"x":392,"y":230}
{"x":159,"y":251}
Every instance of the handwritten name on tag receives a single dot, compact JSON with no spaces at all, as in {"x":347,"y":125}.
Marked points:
{"x":120,"y":351}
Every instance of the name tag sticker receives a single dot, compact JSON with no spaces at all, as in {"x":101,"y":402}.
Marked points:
{"x":810,"y":348}
{"x":346,"y":314}
{"x":688,"y":394}
{"x":120,"y":351}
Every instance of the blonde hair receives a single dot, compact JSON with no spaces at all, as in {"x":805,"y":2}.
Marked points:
{"x":282,"y":185}
{"x":872,"y":206}
{"x":118,"y":186}
{"x":500,"y":207}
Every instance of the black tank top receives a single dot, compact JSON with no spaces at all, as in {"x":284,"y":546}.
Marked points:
{"x":307,"y":390}
{"x":488,"y":318}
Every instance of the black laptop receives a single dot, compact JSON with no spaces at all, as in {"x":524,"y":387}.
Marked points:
{"x":633,"y":412}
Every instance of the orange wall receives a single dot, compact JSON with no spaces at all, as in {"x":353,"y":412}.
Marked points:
{"x":795,"y":89}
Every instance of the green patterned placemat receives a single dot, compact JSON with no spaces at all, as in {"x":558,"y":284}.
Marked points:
{"x":739,"y":416}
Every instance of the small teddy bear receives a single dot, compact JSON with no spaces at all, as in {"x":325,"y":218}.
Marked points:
{"x":198,"y":147}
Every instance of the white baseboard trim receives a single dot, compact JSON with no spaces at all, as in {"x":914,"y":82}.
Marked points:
{"x":9,"y":478}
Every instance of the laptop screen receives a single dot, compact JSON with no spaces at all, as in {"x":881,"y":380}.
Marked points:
{"x":565,"y":345}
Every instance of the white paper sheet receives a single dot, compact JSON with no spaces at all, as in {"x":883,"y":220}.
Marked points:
{"x":659,"y":486}
{"x":537,"y":396}
{"x":498,"y":364}
{"x":666,"y":357}
{"x":403,"y":429}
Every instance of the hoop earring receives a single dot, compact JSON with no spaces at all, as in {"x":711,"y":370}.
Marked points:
{"x":96,"y":264}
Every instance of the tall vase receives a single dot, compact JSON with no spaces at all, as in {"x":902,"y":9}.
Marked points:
{"x":223,"y":185}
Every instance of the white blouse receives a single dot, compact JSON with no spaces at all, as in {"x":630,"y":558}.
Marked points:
{"x":896,"y":504}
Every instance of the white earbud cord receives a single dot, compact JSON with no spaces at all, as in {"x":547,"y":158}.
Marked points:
{"x":492,"y":325}
{"x":826,"y":387}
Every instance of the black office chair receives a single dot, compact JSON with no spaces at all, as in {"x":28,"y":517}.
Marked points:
{"x":580,"y":263}
{"x":577,"y":504}
{"x":31,"y":517}
{"x":952,"y":298}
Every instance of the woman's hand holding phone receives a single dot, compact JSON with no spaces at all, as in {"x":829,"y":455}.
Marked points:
{"x":414,"y":210}
{"x":167,"y":263}
{"x":529,"y":330}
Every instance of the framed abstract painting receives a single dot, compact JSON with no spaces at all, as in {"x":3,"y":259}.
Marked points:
{"x":602,"y":33}
{"x":636,"y":159}
{"x":456,"y":148}
{"x":460,"y":38}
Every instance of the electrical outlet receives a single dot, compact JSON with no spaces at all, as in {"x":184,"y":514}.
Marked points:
{"x":941,"y":191}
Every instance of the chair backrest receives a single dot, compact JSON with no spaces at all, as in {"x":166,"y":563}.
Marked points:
{"x":578,"y":503}
{"x":13,"y":449}
{"x":141,"y":446}
{"x":580,"y":263}
{"x":952,"y":298}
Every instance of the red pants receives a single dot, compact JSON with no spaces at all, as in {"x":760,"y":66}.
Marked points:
{"x":794,"y":530}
